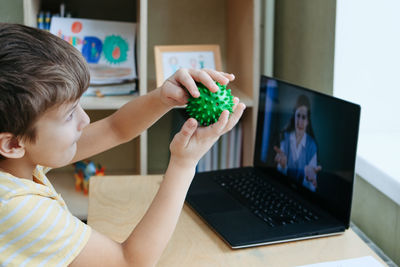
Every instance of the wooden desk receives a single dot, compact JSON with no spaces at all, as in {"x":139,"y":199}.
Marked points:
{"x":117,"y":203}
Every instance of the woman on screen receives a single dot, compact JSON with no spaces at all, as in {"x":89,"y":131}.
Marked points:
{"x":297,"y":155}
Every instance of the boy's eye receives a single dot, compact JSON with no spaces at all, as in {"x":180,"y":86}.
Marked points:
{"x":70,"y":116}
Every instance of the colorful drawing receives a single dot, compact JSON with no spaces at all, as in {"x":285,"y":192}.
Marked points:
{"x":104,"y":44}
{"x":76,"y":27}
{"x":201,"y":61}
{"x":188,"y":56}
{"x":173,"y":64}
{"x":193,"y":63}
{"x":91,"y":49}
{"x":115,"y":49}
{"x":186,"y":60}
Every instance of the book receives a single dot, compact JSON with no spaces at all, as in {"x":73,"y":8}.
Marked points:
{"x":111,"y":90}
{"x":223,"y":152}
{"x":107,"y":46}
{"x":239,"y":145}
{"x":207,"y":161}
{"x":214,"y":157}
{"x":231,"y":148}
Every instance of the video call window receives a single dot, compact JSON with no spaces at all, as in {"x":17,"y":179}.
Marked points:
{"x":306,"y":135}
{"x":309,"y":139}
{"x":295,"y":147}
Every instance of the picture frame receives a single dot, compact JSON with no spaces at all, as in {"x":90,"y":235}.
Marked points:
{"x":169,"y":58}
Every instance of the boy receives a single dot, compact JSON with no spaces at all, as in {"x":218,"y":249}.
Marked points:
{"x":42,"y":124}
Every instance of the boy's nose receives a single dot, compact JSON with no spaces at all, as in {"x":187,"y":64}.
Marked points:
{"x":85,"y":120}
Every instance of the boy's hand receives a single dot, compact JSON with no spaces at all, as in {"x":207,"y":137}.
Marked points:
{"x":176,"y":89}
{"x":191,"y":143}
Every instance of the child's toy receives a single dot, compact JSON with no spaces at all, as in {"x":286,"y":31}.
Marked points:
{"x":207,"y":108}
{"x":83,"y":171}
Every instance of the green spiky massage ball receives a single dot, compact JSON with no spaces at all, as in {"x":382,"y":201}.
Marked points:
{"x":207,"y":108}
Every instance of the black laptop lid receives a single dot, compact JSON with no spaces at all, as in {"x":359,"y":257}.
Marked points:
{"x":308,"y":141}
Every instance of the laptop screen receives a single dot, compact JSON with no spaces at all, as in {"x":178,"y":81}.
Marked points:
{"x":308,"y":140}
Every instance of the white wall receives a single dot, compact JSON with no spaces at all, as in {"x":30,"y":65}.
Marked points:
{"x":367,"y":60}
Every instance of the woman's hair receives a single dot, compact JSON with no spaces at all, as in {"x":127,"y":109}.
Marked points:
{"x":302,"y":100}
{"x":38,"y":71}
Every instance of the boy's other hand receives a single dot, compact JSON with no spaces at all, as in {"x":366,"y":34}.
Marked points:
{"x":192,"y":142}
{"x":176,"y":89}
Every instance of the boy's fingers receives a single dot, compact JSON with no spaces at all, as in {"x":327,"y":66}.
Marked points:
{"x":179,"y":95}
{"x":235,"y":103}
{"x":222,"y":78}
{"x":186,"y":80}
{"x":234,"y":118}
{"x":220,"y":125}
{"x":187,"y":130}
{"x":230,"y":76}
{"x":205,"y":78}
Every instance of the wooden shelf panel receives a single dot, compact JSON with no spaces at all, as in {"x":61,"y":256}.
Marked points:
{"x":64,"y":184}
{"x":244,"y":98}
{"x":77,"y":202}
{"x":106,"y":102}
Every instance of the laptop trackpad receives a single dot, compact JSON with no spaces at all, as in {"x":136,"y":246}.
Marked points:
{"x":210,"y":203}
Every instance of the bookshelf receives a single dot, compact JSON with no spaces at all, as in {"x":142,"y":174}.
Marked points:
{"x":233,"y":24}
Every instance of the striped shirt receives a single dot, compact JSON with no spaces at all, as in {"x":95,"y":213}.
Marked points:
{"x":36,"y":227}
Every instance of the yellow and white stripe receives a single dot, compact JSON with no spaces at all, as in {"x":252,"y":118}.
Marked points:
{"x":36,"y":228}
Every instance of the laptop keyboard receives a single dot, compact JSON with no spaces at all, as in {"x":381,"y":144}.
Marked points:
{"x":264,"y":199}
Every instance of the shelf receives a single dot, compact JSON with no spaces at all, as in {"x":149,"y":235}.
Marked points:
{"x":106,"y":102}
{"x":243,"y":97}
{"x":112,"y":102}
{"x":64,"y":183}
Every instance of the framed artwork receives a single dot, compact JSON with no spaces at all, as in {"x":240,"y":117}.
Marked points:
{"x":170,"y":58}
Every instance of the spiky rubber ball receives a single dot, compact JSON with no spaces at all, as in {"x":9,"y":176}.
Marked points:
{"x":207,"y":108}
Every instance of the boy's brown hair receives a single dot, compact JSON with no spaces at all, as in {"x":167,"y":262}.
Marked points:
{"x":38,"y":70}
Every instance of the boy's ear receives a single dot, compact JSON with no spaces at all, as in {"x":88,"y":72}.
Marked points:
{"x":10,"y":146}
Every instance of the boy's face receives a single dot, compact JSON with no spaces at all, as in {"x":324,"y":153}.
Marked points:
{"x":57,"y":132}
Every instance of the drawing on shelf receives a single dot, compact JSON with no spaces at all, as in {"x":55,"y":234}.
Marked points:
{"x":107,"y":46}
{"x":170,"y":58}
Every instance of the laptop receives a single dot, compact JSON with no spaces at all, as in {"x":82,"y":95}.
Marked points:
{"x":301,"y":183}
